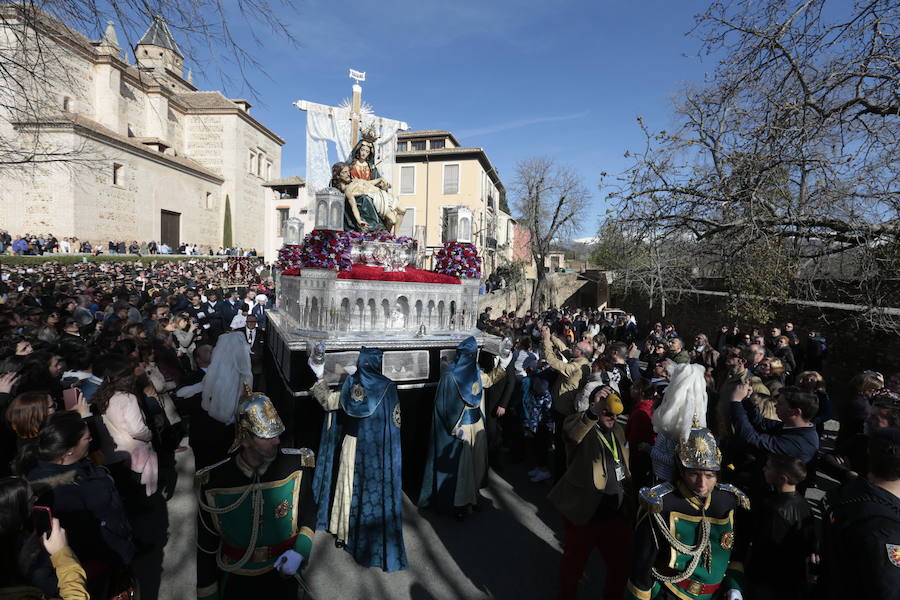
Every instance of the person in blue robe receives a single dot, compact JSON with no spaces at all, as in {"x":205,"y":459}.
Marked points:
{"x":357,"y":483}
{"x":457,"y":460}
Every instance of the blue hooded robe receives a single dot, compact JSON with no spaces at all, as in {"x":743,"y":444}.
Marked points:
{"x":376,"y":511}
{"x":459,"y":389}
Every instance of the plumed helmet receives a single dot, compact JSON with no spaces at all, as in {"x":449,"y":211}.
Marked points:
{"x":699,"y":451}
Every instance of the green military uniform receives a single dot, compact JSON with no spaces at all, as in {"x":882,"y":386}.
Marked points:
{"x":250,"y":516}
{"x":686,"y":546}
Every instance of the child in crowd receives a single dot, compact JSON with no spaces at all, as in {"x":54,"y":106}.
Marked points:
{"x":783,"y":535}
{"x":639,"y":432}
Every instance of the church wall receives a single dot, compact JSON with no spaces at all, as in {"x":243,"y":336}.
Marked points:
{"x":204,"y":142}
{"x":82,"y":201}
{"x":69,"y":75}
{"x":131,"y":210}
{"x":175,"y":124}
{"x":132,"y":105}
{"x":222,"y":143}
{"x":156,"y":116}
{"x":39,"y":199}
{"x":107,"y":80}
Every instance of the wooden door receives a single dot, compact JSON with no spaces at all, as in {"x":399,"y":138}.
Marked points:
{"x":170,"y":229}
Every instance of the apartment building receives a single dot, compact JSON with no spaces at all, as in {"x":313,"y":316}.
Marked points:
{"x":452,"y":192}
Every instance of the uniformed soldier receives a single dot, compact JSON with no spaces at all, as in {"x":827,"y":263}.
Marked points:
{"x":257,"y":513}
{"x":686,"y":547}
{"x":861,"y":553}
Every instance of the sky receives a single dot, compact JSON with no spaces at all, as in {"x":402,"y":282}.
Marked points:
{"x":562,"y":79}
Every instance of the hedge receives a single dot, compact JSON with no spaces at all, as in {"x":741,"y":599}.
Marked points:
{"x":68,"y":259}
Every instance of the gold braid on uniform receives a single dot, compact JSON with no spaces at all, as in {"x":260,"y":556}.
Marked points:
{"x":257,"y":513}
{"x":701,"y":550}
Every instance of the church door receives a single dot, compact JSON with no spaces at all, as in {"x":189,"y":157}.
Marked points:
{"x":170,"y":229}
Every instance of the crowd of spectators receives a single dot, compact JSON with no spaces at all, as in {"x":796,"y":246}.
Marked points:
{"x":767,"y":403}
{"x":40,"y":244}
{"x":94,"y":361}
{"x":102,"y":367}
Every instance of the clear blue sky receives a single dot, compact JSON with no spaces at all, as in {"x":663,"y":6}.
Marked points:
{"x":561,"y":79}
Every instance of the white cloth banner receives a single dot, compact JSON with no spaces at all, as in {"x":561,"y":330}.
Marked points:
{"x":332,"y":124}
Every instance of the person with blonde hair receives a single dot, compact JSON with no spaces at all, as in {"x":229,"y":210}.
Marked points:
{"x":815,"y":383}
{"x":853,"y":411}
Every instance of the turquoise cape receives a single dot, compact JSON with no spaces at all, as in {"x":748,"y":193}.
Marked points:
{"x":375,"y":536}
{"x":454,"y":394}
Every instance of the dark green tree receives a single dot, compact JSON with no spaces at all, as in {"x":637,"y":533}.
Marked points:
{"x":226,"y":229}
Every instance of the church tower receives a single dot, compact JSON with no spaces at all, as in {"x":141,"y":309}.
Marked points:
{"x":157,"y":52}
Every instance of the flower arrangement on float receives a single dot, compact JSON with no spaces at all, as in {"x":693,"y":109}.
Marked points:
{"x":458,"y":259}
{"x":329,"y":249}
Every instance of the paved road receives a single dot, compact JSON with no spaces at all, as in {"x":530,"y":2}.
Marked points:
{"x":509,"y":550}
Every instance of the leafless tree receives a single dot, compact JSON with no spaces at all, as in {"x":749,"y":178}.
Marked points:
{"x":783,"y":168}
{"x":33,"y":65}
{"x":549,"y":198}
{"x":661,"y":269}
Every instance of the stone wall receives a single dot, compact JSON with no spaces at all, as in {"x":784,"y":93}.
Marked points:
{"x":81,"y":200}
{"x":564,"y":291}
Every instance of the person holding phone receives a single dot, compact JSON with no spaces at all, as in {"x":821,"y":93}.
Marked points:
{"x":82,"y":496}
{"x":17,"y":523}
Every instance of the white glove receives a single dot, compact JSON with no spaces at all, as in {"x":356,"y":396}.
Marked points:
{"x":504,"y":362}
{"x":319,"y":370}
{"x":734,"y":595}
{"x":288,"y":562}
{"x":350,"y":369}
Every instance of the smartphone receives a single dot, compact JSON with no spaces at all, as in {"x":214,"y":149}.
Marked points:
{"x":70,"y":398}
{"x":42,"y":519}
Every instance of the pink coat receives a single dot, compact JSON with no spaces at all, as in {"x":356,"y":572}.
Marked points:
{"x":129,"y":438}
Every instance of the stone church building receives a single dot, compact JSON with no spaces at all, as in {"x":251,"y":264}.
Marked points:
{"x":147,"y":156}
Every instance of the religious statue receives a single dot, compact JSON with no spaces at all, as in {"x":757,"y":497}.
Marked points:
{"x":362,"y":161}
{"x":371,"y":207}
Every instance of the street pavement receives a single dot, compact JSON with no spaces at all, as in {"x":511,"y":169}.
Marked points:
{"x":508,"y":550}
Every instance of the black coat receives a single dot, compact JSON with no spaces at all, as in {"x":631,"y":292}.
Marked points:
{"x":257,"y":350}
{"x":85,"y":500}
{"x":860,"y":553}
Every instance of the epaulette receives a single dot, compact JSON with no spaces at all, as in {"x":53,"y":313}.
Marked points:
{"x":743,"y":500}
{"x":652,"y":497}
{"x":202,"y":476}
{"x":307,"y":456}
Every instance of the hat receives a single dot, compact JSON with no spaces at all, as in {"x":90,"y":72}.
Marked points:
{"x":256,"y":415}
{"x":699,"y":451}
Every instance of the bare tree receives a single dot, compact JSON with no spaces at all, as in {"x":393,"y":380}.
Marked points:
{"x":34,"y":64}
{"x":783,"y":168}
{"x":549,"y":197}
{"x":661,"y":269}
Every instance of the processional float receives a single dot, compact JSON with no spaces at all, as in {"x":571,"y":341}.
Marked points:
{"x":343,"y":286}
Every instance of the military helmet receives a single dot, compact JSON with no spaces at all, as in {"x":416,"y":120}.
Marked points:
{"x":699,"y":451}
{"x":256,"y":415}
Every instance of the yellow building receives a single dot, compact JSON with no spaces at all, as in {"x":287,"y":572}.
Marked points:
{"x":451,"y":192}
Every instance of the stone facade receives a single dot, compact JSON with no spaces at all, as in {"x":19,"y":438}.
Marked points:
{"x":434,"y":173}
{"x":146,"y":151}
